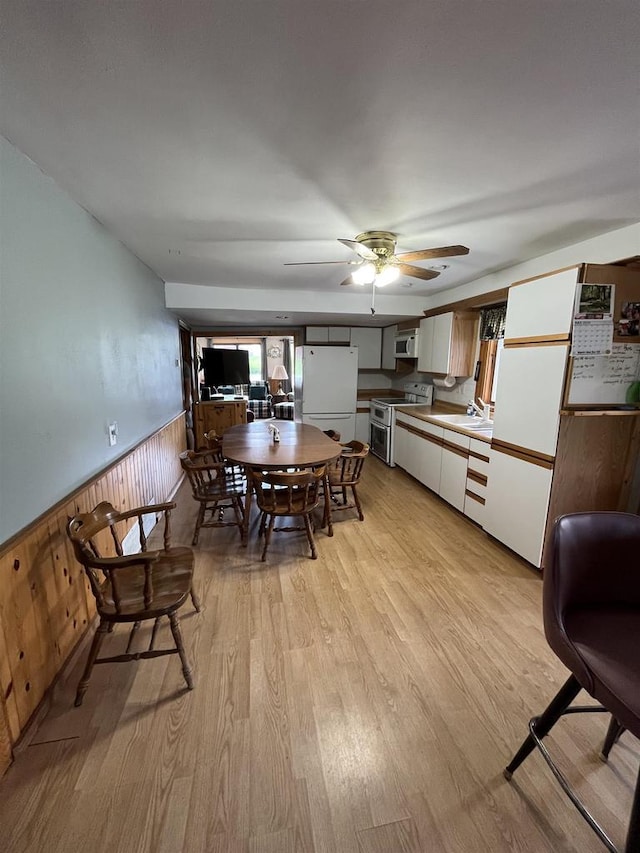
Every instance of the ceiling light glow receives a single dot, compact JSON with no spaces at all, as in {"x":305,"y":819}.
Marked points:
{"x":387,"y":275}
{"x":365,"y":274}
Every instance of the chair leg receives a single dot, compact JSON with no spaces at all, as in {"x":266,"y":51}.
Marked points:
{"x":613,"y":733}
{"x":544,"y":723}
{"x":267,"y":536}
{"x":357,"y":502}
{"x":98,"y":638}
{"x":307,"y":524}
{"x":633,"y":832}
{"x":199,"y":520}
{"x":237,"y":508}
{"x":177,"y":638}
{"x":195,"y":600}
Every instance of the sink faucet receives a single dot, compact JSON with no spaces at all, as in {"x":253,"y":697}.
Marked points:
{"x":484,"y":412}
{"x":475,"y":409}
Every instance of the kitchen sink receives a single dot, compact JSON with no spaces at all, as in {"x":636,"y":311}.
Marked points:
{"x":464,"y":421}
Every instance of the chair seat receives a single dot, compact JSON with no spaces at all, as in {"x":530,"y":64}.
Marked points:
{"x":222,"y":487}
{"x":279,"y":502}
{"x":601,"y":638}
{"x":172,"y":576}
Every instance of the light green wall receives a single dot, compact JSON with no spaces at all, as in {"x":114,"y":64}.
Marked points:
{"x":85,"y":339}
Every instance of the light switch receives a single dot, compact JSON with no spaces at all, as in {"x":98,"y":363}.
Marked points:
{"x":113,"y":434}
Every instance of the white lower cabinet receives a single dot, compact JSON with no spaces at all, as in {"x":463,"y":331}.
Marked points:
{"x":431,"y":453}
{"x":453,"y":470}
{"x":517,"y":503}
{"x":477,"y":477}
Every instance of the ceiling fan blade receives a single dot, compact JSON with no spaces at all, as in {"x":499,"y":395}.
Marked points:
{"x":348,"y":280}
{"x":316,"y":263}
{"x":442,"y":252}
{"x":360,"y":249}
{"x":418,"y":272}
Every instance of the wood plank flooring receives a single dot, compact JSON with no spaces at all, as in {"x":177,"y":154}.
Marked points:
{"x":365,"y":702}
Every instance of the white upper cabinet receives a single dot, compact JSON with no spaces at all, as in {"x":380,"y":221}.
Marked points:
{"x":317,"y":334}
{"x":529,"y":396}
{"x":425,"y":344}
{"x":388,"y":348}
{"x":369,"y":343}
{"x":447,"y":343}
{"x":542,"y":308}
{"x":441,"y":349}
{"x":339,"y":334}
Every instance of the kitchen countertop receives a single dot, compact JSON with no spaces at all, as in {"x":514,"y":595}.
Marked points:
{"x":426,"y":413}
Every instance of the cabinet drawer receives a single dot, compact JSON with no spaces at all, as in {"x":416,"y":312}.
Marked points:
{"x":479,"y":448}
{"x":457,"y":438}
{"x":474,"y":508}
{"x":477,"y":485}
{"x":421,"y":426}
{"x":478,"y":466}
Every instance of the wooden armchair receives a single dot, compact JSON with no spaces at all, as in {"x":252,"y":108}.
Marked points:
{"x":134,"y":587}
{"x":216,"y":487}
{"x":345,"y":473}
{"x":288,"y":494}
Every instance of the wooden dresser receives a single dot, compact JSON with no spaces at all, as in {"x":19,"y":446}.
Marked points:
{"x":218,"y":416}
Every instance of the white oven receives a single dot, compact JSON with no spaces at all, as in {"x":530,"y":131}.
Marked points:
{"x":382,"y":418}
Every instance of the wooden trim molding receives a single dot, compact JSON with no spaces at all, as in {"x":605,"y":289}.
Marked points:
{"x":482,"y":300}
{"x":524,"y":453}
{"x":481,"y":479}
{"x":537,"y":340}
{"x":546,"y":274}
{"x":479,"y":456}
{"x":475,"y":497}
{"x":426,"y":435}
{"x":46,"y":603}
{"x":455,"y":448}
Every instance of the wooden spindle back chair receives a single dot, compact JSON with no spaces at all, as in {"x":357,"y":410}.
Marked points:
{"x":216,"y":486}
{"x":283,"y":494}
{"x":345,"y":473}
{"x":132,"y":587}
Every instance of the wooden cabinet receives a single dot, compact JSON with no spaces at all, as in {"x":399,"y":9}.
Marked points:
{"x":447,"y":343}
{"x":369,"y":343}
{"x":217,"y":416}
{"x":388,"y":348}
{"x":542,"y":309}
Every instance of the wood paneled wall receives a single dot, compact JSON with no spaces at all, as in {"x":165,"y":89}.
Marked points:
{"x":45,"y":600}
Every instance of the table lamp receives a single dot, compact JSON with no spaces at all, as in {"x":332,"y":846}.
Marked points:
{"x":279,"y":373}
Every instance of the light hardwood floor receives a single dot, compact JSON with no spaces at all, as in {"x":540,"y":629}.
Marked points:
{"x":366,"y":701}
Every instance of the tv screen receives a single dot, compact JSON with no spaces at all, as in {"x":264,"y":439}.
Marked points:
{"x":225,"y":366}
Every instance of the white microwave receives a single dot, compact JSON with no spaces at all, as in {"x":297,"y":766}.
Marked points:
{"x":406,"y":346}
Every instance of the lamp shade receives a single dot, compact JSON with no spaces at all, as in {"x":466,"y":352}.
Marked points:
{"x":279,"y":372}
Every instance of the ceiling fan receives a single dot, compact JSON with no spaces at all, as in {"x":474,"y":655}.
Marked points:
{"x":378,"y":263}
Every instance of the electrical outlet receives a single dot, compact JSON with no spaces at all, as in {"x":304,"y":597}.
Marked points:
{"x":113,"y":433}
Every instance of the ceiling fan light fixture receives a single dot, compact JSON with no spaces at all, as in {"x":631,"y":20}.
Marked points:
{"x":387,"y":275}
{"x":364,"y":274}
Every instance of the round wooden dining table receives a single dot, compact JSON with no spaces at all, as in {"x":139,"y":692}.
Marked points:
{"x":300,"y":446}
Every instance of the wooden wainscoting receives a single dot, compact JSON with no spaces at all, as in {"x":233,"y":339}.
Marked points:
{"x":45,"y":600}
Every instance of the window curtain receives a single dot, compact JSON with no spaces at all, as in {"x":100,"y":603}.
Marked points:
{"x":492,"y":322}
{"x":263,"y":359}
{"x":287,"y":364}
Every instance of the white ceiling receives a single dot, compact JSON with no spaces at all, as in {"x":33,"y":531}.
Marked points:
{"x":219,"y":140}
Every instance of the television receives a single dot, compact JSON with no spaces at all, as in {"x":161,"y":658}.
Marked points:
{"x":225,"y":366}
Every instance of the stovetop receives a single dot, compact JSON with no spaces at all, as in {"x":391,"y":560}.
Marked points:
{"x":392,"y":401}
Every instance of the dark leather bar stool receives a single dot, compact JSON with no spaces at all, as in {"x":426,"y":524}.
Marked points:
{"x":591,"y":609}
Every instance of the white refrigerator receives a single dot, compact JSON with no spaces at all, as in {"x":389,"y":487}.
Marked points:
{"x":326,"y":388}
